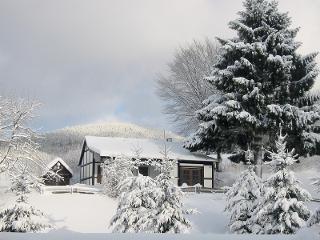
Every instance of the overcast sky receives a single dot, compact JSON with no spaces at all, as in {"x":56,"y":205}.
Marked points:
{"x":97,"y":60}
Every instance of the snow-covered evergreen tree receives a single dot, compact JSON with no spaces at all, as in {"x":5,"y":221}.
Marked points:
{"x":315,"y":217}
{"x":169,"y":215}
{"x":263,"y":81}
{"x":243,"y":198}
{"x":137,"y":205}
{"x":282,"y":207}
{"x":22,"y":217}
{"x":151,"y":205}
{"x":114,"y":171}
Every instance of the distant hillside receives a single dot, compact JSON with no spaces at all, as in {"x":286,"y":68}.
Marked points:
{"x":67,"y":142}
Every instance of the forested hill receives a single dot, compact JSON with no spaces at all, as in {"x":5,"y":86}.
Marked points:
{"x":67,"y":142}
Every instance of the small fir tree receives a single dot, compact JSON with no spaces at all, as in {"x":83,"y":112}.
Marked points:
{"x":151,"y":205}
{"x":137,"y":205}
{"x":282,"y":208}
{"x":243,"y":198}
{"x":22,"y":217}
{"x":170,"y":211}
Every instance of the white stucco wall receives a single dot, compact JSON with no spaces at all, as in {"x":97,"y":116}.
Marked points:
{"x":174,"y":171}
{"x":207,"y":171}
{"x":207,"y":183}
{"x":175,"y":181}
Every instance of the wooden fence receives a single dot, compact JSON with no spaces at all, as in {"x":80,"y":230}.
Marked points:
{"x":70,"y":189}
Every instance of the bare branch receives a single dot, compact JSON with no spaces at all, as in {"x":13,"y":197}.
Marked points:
{"x":184,"y":88}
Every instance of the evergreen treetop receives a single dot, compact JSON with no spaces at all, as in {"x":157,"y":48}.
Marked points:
{"x":263,"y":82}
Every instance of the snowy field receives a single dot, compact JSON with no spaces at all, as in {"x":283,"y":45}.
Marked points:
{"x":86,"y":216}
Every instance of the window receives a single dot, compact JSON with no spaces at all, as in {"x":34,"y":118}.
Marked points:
{"x":144,"y":170}
{"x":191,"y":175}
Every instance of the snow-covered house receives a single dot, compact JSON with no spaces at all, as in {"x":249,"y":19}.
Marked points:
{"x":61,"y":168}
{"x":191,"y":168}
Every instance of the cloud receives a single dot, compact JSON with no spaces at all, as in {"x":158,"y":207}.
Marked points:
{"x":92,"y":60}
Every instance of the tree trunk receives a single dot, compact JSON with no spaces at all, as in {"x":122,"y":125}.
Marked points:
{"x":258,"y":155}
{"x":219,"y":161}
{"x":256,"y":161}
{"x":261,"y":161}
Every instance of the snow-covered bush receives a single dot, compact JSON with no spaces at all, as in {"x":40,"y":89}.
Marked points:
{"x":242,"y":199}
{"x":114,"y":171}
{"x":22,"y":217}
{"x":315,"y":217}
{"x":282,"y":207}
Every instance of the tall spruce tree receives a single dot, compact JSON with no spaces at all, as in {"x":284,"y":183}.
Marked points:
{"x":264,"y":82}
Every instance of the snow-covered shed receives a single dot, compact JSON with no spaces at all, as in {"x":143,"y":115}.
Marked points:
{"x":191,"y":168}
{"x":61,"y":168}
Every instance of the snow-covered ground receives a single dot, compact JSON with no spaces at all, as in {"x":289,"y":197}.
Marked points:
{"x":208,"y":205}
{"x":302,"y":235}
{"x":86,"y":216}
{"x":91,"y":213}
{"x":85,"y":213}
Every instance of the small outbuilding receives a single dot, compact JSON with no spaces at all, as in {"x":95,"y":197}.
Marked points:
{"x":61,"y":168}
{"x":191,"y":168}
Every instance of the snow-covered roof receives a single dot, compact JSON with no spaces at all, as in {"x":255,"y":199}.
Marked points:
{"x":147,"y":148}
{"x":56,"y":160}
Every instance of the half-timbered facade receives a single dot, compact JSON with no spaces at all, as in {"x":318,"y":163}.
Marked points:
{"x":190,"y":168}
{"x":90,"y":166}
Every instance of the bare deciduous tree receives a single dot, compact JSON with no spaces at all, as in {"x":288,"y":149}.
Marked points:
{"x":184,"y":87}
{"x":17,"y":140}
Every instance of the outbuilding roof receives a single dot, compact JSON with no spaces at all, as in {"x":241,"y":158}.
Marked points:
{"x":55,"y":161}
{"x":145,"y":148}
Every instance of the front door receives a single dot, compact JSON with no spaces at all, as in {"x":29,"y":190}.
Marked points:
{"x":191,"y":175}
{"x":99,"y":173}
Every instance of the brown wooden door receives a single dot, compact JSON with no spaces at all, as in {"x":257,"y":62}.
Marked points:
{"x":99,"y":174}
{"x":191,"y":175}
